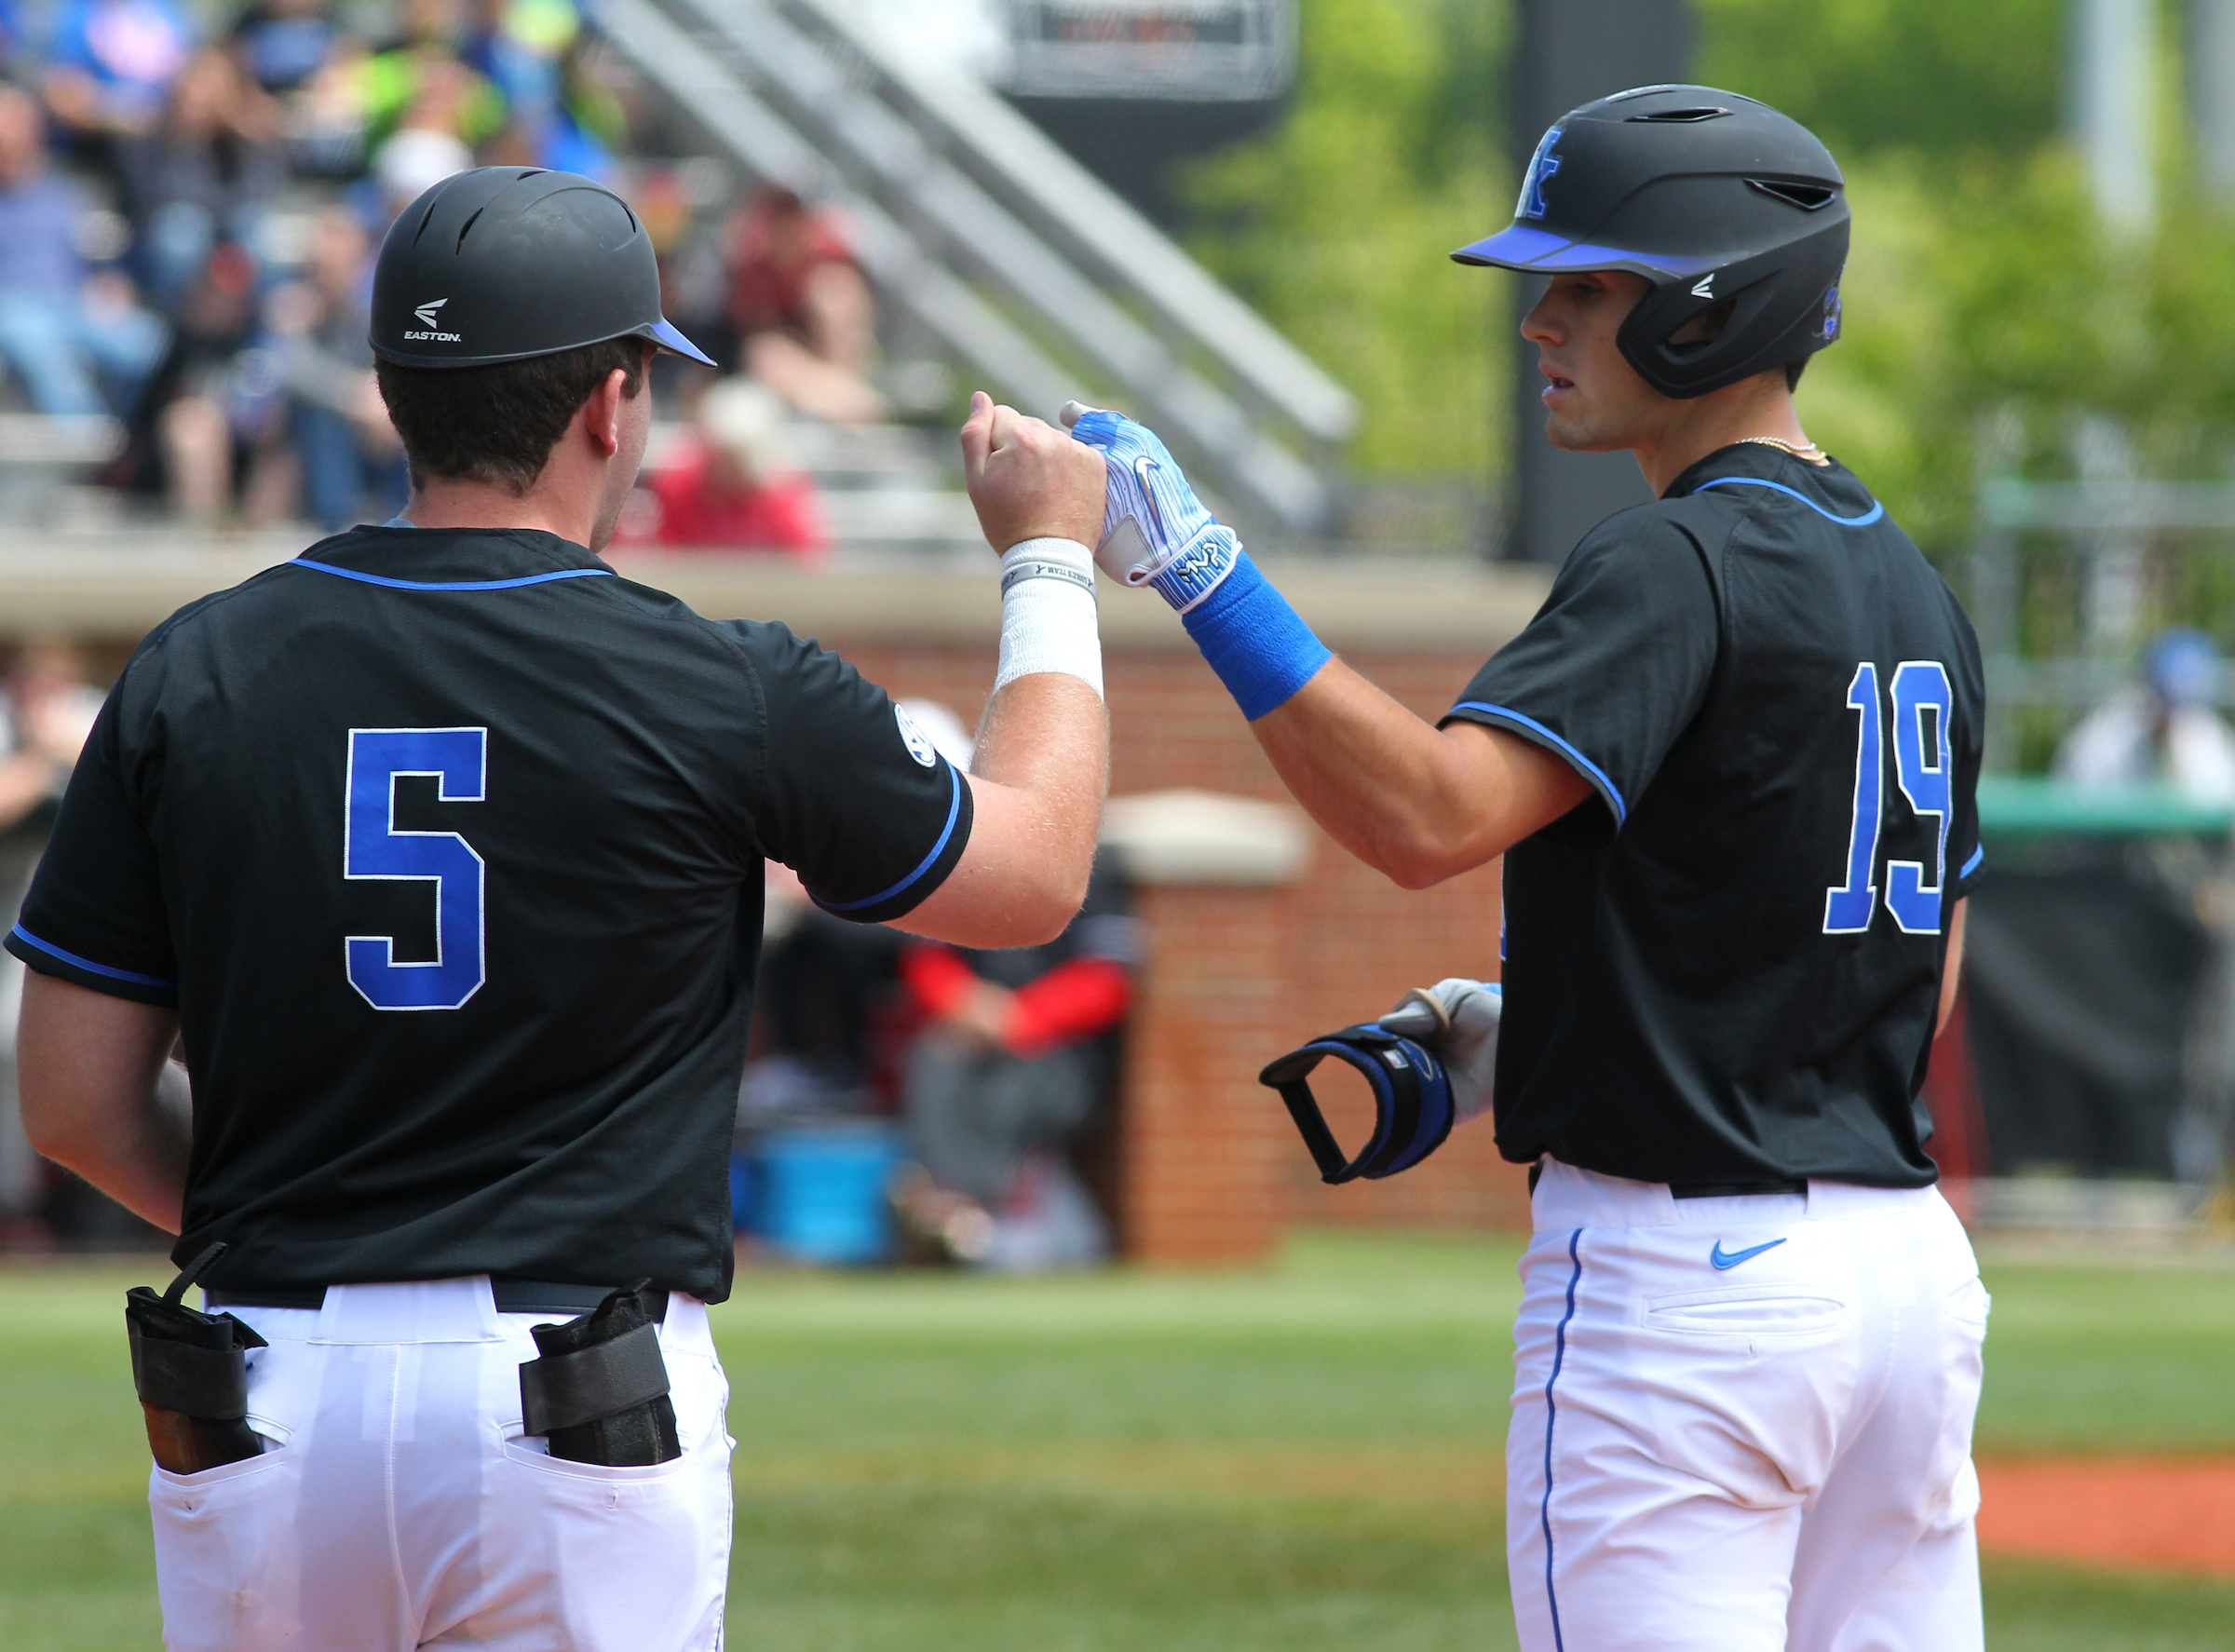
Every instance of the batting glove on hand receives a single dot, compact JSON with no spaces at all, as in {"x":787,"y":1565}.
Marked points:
{"x":1155,"y":531}
{"x":1457,"y":1021}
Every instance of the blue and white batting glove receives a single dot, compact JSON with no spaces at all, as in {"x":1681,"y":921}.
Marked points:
{"x":1155,"y":532}
{"x":1457,"y":1019}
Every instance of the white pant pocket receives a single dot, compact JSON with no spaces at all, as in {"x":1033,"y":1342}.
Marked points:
{"x":1747,"y":1310}
{"x":225,"y":1552}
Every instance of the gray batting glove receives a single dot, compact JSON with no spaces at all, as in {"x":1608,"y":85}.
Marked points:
{"x":1457,"y":1019}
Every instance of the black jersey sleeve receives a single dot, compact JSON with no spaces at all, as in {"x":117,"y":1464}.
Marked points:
{"x":95,"y":915}
{"x":1612,"y":668}
{"x":852,"y":796}
{"x":1967,"y":855}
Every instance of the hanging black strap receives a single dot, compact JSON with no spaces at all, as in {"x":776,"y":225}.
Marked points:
{"x":1412,"y":1101}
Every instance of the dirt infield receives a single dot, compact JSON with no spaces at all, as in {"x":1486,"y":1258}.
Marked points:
{"x":2164,"y":1514}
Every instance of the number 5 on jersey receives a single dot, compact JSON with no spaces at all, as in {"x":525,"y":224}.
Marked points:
{"x":1921,"y":768}
{"x":457,"y":759}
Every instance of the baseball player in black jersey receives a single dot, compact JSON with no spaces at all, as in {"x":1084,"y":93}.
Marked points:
{"x":1731,"y":766}
{"x":441,"y":848}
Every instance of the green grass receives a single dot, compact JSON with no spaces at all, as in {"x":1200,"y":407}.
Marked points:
{"x":1302,"y":1457}
{"x":2105,"y":1358}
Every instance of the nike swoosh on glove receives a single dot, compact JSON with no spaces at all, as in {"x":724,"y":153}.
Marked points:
{"x":1457,"y":1019}
{"x":1155,"y":531}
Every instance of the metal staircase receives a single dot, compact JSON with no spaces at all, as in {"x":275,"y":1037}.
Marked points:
{"x":1017,"y":261}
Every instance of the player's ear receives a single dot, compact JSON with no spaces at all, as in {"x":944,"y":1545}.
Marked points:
{"x":602,"y":413}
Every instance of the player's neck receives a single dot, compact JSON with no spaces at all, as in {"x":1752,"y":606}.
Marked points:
{"x":576,"y":498}
{"x":1753,"y":407}
{"x":447,"y":503}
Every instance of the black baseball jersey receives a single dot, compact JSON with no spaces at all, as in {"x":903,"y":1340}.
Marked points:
{"x":1722,"y":967}
{"x":448,"y":847}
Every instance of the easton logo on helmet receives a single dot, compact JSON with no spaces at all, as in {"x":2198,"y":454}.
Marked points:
{"x":1704,"y":287}
{"x":428,"y":319}
{"x":1542,"y":165}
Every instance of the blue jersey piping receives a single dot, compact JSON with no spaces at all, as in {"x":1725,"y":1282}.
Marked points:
{"x":304,"y":561}
{"x":938,"y":849}
{"x":1971,"y":865}
{"x":1598,"y":775}
{"x":1868,"y":517}
{"x":113,"y":974}
{"x":1551,"y":1413}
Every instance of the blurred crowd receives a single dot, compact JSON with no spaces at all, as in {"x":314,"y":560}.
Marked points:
{"x":975,"y":1091}
{"x":189,"y":208}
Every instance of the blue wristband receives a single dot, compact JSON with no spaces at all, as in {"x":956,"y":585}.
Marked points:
{"x":1260,"y":647}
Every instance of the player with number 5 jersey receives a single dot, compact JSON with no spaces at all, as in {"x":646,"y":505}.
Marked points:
{"x":439,"y":848}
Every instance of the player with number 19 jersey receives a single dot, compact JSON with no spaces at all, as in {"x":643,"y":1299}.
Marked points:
{"x":1723,"y":969}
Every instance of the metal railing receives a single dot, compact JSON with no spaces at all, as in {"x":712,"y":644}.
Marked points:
{"x":2096,"y":519}
{"x":1007,"y":252}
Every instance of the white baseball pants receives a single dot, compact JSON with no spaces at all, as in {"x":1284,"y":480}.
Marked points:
{"x":401,"y":1505}
{"x":1744,"y":1425}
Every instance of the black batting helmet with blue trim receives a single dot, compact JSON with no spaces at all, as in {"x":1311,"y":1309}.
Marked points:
{"x":1714,"y":199}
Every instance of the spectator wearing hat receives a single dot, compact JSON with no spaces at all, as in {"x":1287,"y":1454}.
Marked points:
{"x":733,"y":483}
{"x":2164,"y":731}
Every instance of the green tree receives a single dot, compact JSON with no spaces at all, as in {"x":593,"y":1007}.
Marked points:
{"x":1873,"y":76}
{"x":1337,"y":225}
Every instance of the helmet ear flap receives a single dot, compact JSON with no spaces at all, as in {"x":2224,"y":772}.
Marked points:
{"x":1784,"y":306}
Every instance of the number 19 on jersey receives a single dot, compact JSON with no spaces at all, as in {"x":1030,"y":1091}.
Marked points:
{"x":1922,"y":704}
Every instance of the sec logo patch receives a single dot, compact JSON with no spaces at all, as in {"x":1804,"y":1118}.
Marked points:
{"x":919,"y":742}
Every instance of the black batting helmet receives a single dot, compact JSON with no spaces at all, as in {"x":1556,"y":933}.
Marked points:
{"x":1710,"y":196}
{"x":504,"y":263}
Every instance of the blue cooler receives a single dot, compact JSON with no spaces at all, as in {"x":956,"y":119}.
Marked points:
{"x":817,"y":1191}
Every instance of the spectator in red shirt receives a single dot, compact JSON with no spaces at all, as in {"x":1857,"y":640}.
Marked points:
{"x":732,"y":483}
{"x":1015,"y":1049}
{"x":799,"y":301}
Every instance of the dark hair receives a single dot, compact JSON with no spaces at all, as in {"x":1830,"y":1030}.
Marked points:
{"x":498,"y":424}
{"x":1794,"y":369}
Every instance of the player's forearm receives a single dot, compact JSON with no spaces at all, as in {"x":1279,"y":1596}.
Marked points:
{"x":85,"y":1070}
{"x":1951,"y":971}
{"x":1416,"y":804}
{"x":1045,"y":741}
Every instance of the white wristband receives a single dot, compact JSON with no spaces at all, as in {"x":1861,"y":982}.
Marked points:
{"x":1048,"y":616}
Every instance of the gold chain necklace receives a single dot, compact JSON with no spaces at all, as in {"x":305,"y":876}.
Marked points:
{"x":1807,"y":452}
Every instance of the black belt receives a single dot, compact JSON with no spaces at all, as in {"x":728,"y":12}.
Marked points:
{"x":1736,"y":1189}
{"x":513,"y":1295}
{"x":1711,"y":1189}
